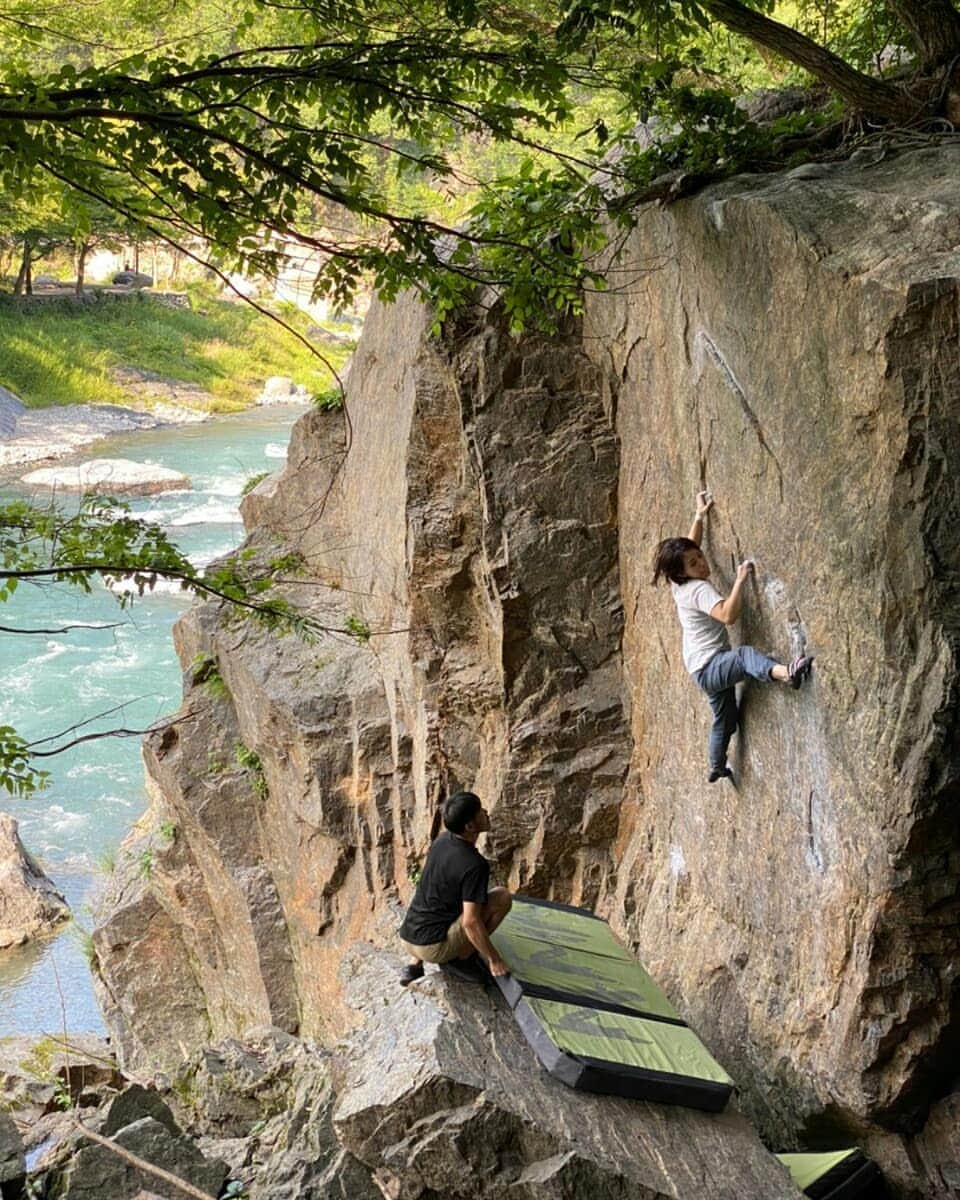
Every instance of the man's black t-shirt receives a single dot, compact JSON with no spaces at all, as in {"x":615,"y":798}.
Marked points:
{"x":455,"y":871}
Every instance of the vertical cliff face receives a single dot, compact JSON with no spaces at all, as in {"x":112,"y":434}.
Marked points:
{"x":791,"y":343}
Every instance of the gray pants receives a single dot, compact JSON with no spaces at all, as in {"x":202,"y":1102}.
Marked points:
{"x":719,"y":679}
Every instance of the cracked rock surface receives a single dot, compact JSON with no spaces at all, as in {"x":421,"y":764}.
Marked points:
{"x":807,"y":922}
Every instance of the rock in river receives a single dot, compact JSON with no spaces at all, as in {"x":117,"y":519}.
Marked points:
{"x":109,"y":476}
{"x":29,"y":903}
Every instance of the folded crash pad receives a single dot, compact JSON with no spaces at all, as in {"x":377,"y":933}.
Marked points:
{"x":594,"y":1017}
{"x":837,"y":1175}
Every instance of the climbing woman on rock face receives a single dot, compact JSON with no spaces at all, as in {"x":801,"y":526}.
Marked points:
{"x":704,"y":616}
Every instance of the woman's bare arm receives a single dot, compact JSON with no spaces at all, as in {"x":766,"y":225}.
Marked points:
{"x":729,"y":610}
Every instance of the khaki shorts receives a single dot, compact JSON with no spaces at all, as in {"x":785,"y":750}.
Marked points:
{"x":454,"y":945}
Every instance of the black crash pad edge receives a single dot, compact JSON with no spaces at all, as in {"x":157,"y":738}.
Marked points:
{"x":618,"y":1079}
{"x":570,"y":908}
{"x":856,"y":1177}
{"x":515,"y":989}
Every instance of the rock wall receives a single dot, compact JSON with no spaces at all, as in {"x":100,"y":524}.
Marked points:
{"x":808,"y":918}
{"x":790,"y":342}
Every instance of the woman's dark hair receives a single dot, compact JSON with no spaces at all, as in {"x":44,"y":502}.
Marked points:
{"x":668,"y":559}
{"x":460,"y":810}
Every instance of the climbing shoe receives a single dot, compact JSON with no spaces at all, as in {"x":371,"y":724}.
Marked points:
{"x":411,"y":972}
{"x":719,"y":773}
{"x":468,"y":970}
{"x":800,"y":670}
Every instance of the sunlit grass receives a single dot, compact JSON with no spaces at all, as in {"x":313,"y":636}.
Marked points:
{"x":57,"y":353}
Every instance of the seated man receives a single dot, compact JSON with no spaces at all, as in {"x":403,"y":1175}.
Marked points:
{"x":453,"y":912}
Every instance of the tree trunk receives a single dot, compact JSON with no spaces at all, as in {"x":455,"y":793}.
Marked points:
{"x":23,"y":281}
{"x":81,"y":259}
{"x":863,"y":92}
{"x":933,"y":24}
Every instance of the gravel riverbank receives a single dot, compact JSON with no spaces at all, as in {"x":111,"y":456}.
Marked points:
{"x":42,"y":435}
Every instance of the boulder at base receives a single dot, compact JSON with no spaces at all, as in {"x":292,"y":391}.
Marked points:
{"x":108,"y":476}
{"x":29,"y":902}
{"x":440,"y":1095}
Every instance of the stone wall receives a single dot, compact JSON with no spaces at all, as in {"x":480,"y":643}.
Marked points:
{"x":790,"y":342}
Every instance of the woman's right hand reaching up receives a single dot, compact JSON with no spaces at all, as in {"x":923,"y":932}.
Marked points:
{"x":745,"y":570}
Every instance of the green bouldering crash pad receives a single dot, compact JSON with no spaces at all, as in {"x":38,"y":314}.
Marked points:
{"x":594,"y":1017}
{"x":836,"y":1175}
{"x":555,"y":972}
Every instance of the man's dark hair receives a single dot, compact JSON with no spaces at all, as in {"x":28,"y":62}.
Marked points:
{"x":460,"y":810}
{"x":668,"y":559}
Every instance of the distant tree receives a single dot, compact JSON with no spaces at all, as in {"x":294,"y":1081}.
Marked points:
{"x":31,"y":228}
{"x":92,"y":225}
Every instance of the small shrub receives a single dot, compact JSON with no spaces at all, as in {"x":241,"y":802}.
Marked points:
{"x":85,"y":938}
{"x":249,"y":760}
{"x":215,"y":766}
{"x":357,"y":628}
{"x":205,"y":673}
{"x":329,"y":400}
{"x":253,"y":481}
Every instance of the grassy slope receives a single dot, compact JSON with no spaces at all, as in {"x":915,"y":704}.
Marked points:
{"x":59,"y":353}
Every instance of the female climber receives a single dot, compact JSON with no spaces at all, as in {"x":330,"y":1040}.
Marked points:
{"x":704,"y":616}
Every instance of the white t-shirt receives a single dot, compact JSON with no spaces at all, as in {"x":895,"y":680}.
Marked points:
{"x":703,"y":635}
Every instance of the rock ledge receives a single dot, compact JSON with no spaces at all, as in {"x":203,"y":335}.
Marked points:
{"x":109,"y":476}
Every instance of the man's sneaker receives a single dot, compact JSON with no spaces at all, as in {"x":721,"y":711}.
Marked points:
{"x":411,"y":972}
{"x":468,"y":970}
{"x":800,"y":670}
{"x":719,"y":773}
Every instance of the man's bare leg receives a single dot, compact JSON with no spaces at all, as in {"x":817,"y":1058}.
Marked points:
{"x":499,"y":902}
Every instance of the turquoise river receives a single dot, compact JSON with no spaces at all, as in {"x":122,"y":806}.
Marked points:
{"x":51,"y":682}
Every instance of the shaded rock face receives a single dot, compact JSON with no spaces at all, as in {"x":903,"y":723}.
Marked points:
{"x":12,"y":1160}
{"x":490,"y":522}
{"x":266,"y":1106}
{"x":141,"y":1125}
{"x":30,"y":905}
{"x":471,"y":528}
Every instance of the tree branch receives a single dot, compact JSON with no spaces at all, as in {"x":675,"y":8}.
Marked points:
{"x":862,"y":91}
{"x":64,"y":629}
{"x":142,"y":1165}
